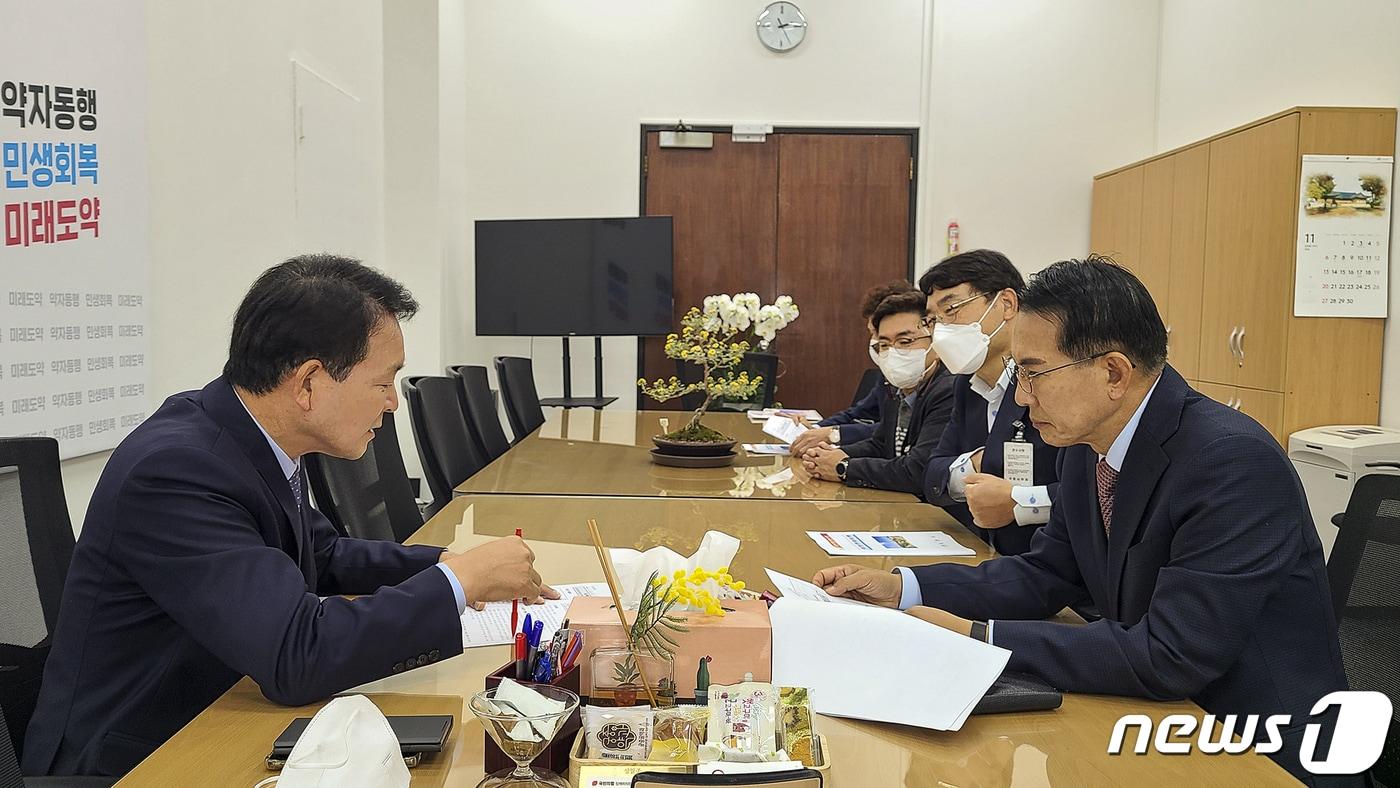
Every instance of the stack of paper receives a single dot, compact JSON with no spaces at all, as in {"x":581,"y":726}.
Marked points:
{"x":873,"y":663}
{"x":885,"y":543}
{"x":760,"y":416}
{"x":779,"y":449}
{"x":491,"y":627}
{"x":783,"y":428}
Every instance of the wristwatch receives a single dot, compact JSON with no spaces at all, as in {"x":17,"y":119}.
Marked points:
{"x":979,"y":631}
{"x":841,"y":466}
{"x":834,"y":436}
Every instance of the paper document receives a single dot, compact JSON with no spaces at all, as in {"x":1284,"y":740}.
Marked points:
{"x":491,"y":627}
{"x":882,"y":543}
{"x":801,"y":589}
{"x":779,"y":449}
{"x":783,"y":428}
{"x":760,"y":416}
{"x":874,"y":663}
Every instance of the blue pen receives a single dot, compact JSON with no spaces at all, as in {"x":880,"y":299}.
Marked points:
{"x":537,"y":634}
{"x":543,"y":672}
{"x":527,"y":627}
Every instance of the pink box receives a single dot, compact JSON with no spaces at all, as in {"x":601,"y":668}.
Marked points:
{"x":739,"y":642}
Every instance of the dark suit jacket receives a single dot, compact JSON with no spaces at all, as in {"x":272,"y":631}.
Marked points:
{"x":194,"y":568}
{"x":873,"y":460}
{"x":967,"y":430}
{"x":859,"y":421}
{"x":1212,"y":584}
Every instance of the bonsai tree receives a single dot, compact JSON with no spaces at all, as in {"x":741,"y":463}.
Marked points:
{"x":714,"y":337}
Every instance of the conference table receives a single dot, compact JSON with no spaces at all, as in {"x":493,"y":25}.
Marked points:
{"x":226,"y":744}
{"x":608,"y":452}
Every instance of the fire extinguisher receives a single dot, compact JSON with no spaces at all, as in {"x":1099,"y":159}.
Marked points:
{"x":953,"y":237}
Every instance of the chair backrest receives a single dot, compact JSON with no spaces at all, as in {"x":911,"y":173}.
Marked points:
{"x":36,"y":546}
{"x":1366,"y":595}
{"x":868,"y":380}
{"x":517,"y":379}
{"x":474,"y":390}
{"x":368,"y":498}
{"x":447,"y":450}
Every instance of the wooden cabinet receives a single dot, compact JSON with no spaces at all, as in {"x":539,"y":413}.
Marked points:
{"x":1210,"y":229}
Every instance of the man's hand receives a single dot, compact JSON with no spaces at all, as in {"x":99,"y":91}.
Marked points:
{"x":498,"y":571}
{"x":942,"y":618}
{"x":799,"y":419}
{"x":810,"y":439}
{"x":876,"y":586}
{"x":821,"y":461}
{"x":989,"y":500}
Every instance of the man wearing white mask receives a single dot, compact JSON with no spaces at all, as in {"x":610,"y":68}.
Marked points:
{"x":911,"y":421}
{"x":991,"y":470}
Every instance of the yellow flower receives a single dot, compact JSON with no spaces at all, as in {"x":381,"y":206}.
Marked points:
{"x":738,"y":586}
{"x":724,"y":570}
{"x":680,"y":574}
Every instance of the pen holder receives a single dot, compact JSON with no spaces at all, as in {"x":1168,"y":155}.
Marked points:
{"x":554,"y":759}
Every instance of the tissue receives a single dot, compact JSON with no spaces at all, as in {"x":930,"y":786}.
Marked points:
{"x":634,"y":568}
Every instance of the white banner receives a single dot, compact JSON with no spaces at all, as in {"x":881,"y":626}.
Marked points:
{"x":1343,"y":237}
{"x":74,"y":356}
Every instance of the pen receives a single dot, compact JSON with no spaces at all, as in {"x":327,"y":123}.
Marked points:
{"x":520,"y":656}
{"x":515,"y":603}
{"x":525,"y":630}
{"x":542,"y":671}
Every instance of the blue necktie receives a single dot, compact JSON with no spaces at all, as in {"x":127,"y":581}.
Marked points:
{"x":295,"y":481}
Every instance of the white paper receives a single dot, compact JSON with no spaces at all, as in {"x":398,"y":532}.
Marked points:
{"x":887,"y":543}
{"x":491,"y":627}
{"x":783,"y":428}
{"x":732,"y":767}
{"x":777,"y":449}
{"x":880,"y":664}
{"x":801,"y":589}
{"x":1343,"y":245}
{"x":760,"y":416}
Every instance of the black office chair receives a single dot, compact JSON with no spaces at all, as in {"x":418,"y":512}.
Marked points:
{"x":479,"y":407}
{"x":868,"y":380}
{"x":1366,"y":596}
{"x":446,"y":448}
{"x":36,"y":546}
{"x":517,"y":379}
{"x":10,"y":775}
{"x":368,"y":498}
{"x":756,"y":364}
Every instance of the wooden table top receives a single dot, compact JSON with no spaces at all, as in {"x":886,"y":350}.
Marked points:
{"x":226,"y":744}
{"x":608,"y":452}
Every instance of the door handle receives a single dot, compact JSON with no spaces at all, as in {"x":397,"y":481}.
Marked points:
{"x":1239,"y":343}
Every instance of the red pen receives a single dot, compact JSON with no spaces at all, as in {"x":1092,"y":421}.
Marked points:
{"x":515,"y":607}
{"x":520,"y":661}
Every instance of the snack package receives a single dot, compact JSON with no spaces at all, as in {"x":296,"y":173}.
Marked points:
{"x":744,"y":717}
{"x":678,"y":733}
{"x":618,"y":733}
{"x":796,"y":733}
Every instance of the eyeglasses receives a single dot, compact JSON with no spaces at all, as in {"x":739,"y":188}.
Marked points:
{"x":902,"y":343}
{"x":949,"y":313}
{"x":1024,"y":378}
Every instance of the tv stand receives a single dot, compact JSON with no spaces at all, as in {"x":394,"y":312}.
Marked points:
{"x":597,"y":401}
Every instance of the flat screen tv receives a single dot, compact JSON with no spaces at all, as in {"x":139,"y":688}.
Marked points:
{"x":573,"y":277}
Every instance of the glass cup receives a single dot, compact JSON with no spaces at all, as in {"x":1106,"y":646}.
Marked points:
{"x":521,"y":737}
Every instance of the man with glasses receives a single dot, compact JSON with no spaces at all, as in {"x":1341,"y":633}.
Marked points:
{"x":911,"y":421}
{"x":1179,"y":518}
{"x":991,"y":470}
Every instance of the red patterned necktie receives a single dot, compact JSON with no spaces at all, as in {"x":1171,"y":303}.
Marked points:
{"x":1107,"y":479}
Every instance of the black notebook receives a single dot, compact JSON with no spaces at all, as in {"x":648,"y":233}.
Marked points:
{"x":1018,"y":692}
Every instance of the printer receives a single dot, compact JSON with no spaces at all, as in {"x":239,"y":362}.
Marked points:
{"x":1329,"y":461}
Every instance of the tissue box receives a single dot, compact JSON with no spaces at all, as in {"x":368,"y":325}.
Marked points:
{"x":739,"y":642}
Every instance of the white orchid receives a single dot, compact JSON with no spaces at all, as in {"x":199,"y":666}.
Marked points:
{"x":750,"y":303}
{"x":788,"y":308}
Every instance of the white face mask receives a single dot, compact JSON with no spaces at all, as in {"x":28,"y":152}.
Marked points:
{"x":963,"y":348}
{"x":348,"y":742}
{"x":875,"y":357}
{"x":902,"y":368}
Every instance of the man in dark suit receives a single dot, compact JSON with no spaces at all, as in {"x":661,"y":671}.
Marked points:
{"x":201,"y":561}
{"x":973,"y":296}
{"x":912,"y":418}
{"x":1180,"y":518}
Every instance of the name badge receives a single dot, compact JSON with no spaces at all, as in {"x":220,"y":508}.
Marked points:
{"x":1018,"y":461}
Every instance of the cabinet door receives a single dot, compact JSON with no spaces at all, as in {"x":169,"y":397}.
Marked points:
{"x":1116,"y":221}
{"x":1191,"y":173}
{"x":1265,"y":407}
{"x":1248,"y":279}
{"x":1154,"y":262}
{"x":1225,"y":395}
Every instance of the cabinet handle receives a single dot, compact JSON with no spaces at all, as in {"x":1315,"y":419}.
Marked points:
{"x":1237,"y":404}
{"x":1234,"y":353}
{"x":1239,"y":343}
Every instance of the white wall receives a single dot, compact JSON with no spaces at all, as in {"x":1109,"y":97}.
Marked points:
{"x":1226,"y":63}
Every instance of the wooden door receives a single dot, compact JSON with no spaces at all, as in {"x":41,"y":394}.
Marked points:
{"x":843,"y":226}
{"x":1115,"y":228}
{"x":1248,"y":280}
{"x":1190,"y":174}
{"x":1153,"y":265}
{"x":724,"y":201}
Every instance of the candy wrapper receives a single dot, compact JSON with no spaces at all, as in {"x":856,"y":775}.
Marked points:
{"x":678,"y":733}
{"x":622,"y":734}
{"x":744,"y":717}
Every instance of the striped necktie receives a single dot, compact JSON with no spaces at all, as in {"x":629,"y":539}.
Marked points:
{"x":1107,"y":480}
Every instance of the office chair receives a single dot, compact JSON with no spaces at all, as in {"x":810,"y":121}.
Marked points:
{"x":446,"y":448}
{"x":517,"y":379}
{"x":1366,"y":597}
{"x":479,"y":408}
{"x":9,"y":771}
{"x":868,"y":380}
{"x":36,"y":546}
{"x":368,"y":498}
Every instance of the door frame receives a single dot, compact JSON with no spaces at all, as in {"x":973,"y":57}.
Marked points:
{"x":911,"y":132}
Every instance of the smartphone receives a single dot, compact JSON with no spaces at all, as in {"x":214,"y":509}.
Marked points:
{"x":416,"y":735}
